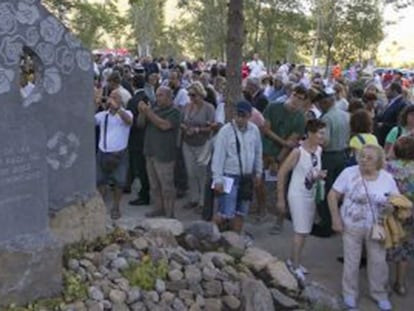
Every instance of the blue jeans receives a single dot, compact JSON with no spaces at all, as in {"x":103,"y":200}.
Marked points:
{"x":228,"y":204}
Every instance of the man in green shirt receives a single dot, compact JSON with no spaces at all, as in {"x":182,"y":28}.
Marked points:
{"x":162,"y":124}
{"x":284,"y":127}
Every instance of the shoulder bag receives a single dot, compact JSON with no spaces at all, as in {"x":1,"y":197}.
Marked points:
{"x":245,"y":192}
{"x":378,"y":230}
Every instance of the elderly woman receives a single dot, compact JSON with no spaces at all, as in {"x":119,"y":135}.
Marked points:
{"x":364,"y":189}
{"x":402,"y":168}
{"x":198,"y":116}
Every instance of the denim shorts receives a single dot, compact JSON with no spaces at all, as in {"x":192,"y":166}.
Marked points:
{"x":228,"y":204}
{"x":118,"y":177}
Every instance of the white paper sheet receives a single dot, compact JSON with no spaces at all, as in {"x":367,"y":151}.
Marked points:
{"x":228,"y":184}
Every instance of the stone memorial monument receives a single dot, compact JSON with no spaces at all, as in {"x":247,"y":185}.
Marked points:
{"x":47,"y":163}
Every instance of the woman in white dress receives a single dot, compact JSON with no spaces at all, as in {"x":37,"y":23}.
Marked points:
{"x":305,"y":161}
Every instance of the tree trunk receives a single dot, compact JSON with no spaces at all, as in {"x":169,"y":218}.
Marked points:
{"x":328,"y":60}
{"x":235,"y":40}
{"x":257,"y":25}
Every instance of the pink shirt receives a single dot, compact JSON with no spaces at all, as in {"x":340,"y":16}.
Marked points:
{"x":257,"y":118}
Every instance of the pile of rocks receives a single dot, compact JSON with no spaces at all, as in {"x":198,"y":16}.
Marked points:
{"x":206,"y":270}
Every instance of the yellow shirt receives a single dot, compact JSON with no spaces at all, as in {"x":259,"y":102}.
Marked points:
{"x":356,"y":144}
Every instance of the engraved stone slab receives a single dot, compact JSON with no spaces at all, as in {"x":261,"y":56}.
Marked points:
{"x":23,"y":180}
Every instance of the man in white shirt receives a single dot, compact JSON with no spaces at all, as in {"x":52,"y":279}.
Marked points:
{"x":256,"y":66}
{"x":112,"y":156}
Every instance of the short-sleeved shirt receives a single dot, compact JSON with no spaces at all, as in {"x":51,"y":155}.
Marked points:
{"x":198,"y":118}
{"x":337,"y":129}
{"x":117,"y":131}
{"x":368,"y":139}
{"x":357,"y":210}
{"x":162,"y":144}
{"x":284,"y":123}
{"x":395,"y":133}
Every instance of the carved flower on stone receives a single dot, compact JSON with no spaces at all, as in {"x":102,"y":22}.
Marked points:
{"x":27,"y":13}
{"x":10,"y":50}
{"x":52,"y":82}
{"x":7,"y":19}
{"x":62,"y":150}
{"x":72,"y":41}
{"x":46,"y":52}
{"x":32,"y":36}
{"x":6,"y":79}
{"x":84,"y":60}
{"x":65,"y":59}
{"x":51,"y":30}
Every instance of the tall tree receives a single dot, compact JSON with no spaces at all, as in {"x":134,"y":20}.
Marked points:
{"x":205,"y":32}
{"x":147,"y":19}
{"x":235,"y":40}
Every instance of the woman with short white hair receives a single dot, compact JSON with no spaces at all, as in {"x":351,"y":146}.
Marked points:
{"x":364,"y":189}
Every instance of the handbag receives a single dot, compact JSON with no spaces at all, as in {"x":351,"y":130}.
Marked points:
{"x":109,"y":161}
{"x":245,"y":191}
{"x":378,"y":230}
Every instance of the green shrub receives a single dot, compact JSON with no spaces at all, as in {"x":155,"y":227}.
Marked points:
{"x":145,"y":273}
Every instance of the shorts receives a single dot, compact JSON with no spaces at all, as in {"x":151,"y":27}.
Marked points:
{"x":228,"y":204}
{"x":118,"y":177}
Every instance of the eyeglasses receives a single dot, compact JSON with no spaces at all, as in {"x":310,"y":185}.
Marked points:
{"x":314,"y":159}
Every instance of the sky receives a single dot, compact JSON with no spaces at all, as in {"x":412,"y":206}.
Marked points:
{"x":402,"y":33}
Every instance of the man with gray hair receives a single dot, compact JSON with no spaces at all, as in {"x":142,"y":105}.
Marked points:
{"x":254,"y":93}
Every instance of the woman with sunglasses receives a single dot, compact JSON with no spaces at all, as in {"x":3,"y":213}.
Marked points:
{"x":305,"y":161}
{"x":198,"y":118}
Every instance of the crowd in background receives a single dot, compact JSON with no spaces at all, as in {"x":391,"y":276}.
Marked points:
{"x":339,"y":147}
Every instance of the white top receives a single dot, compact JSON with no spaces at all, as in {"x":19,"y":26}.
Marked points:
{"x":257,"y":68}
{"x":117,"y":131}
{"x":181,"y":99}
{"x":356,"y":210}
{"x":306,"y":169}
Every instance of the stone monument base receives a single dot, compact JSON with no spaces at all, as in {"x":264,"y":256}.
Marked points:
{"x":30,"y":268}
{"x":84,"y":220}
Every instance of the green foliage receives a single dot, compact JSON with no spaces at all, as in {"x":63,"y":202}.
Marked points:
{"x":89,"y":21}
{"x":74,"y":287}
{"x":145,"y":273}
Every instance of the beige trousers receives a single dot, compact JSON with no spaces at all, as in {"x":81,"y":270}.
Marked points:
{"x":161,"y":179}
{"x":353,"y":240}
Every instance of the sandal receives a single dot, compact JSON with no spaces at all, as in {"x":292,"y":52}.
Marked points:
{"x":400,"y":289}
{"x":115,"y":213}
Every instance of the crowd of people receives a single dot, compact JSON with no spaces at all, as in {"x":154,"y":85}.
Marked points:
{"x":338,"y":148}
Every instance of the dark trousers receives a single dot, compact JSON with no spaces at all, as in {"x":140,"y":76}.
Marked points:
{"x":209,"y":197}
{"x":138,"y":168}
{"x":180,"y":172}
{"x":334,"y":163}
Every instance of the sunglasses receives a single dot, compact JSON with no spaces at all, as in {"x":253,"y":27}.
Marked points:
{"x":314,"y":159}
